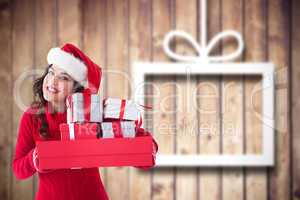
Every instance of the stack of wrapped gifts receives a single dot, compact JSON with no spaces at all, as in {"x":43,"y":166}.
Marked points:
{"x":99,"y":133}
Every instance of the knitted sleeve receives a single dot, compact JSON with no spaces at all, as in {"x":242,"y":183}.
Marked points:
{"x":23,"y":157}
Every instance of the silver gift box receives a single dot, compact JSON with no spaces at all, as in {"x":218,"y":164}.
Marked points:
{"x":127,"y":127}
{"x":112,"y":109}
{"x":96,"y":108}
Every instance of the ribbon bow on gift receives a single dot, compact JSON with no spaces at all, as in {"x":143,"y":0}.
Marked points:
{"x":139,"y":122}
{"x":204,"y":49}
{"x":86,"y":104}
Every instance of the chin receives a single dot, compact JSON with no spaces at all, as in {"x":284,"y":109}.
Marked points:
{"x":51,"y":98}
{"x":47,"y":98}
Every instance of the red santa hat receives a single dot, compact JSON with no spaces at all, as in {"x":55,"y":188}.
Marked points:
{"x":80,"y":67}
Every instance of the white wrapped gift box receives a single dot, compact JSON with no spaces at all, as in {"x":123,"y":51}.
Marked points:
{"x":122,"y":109}
{"x":76,"y":111}
{"x":118,"y":129}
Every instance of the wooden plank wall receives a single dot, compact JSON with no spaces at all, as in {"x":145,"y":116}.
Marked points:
{"x":117,"y":33}
{"x":295,"y":100}
{"x":22,"y":59}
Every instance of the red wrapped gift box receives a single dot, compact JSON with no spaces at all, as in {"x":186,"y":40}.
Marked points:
{"x":108,"y":152}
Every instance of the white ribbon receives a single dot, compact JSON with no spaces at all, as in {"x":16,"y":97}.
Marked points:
{"x":71,"y":131}
{"x":204,"y":49}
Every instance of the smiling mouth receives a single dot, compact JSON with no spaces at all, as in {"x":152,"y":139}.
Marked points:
{"x":52,"y":90}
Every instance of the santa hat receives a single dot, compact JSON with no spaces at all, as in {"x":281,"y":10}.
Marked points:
{"x":80,"y":67}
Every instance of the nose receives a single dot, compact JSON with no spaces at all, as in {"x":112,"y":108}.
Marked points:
{"x":53,"y":81}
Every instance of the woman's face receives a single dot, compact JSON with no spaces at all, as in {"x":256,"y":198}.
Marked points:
{"x":57,"y":85}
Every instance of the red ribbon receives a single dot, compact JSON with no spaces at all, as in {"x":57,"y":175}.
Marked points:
{"x":117,"y":130}
{"x":139,"y":122}
{"x":145,"y":106}
{"x":87,"y":104}
{"x":122,"y":108}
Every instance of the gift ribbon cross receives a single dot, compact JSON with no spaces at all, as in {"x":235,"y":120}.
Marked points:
{"x":203,"y":51}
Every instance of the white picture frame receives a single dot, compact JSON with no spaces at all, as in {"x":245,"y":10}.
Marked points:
{"x":142,"y":69}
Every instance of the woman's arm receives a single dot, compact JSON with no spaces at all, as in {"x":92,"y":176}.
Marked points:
{"x":23,"y":166}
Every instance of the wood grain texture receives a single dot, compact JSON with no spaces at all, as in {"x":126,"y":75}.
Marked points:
{"x":117,"y":82}
{"x":94,"y":41}
{"x":208,"y":98}
{"x":186,"y":136}
{"x":44,"y":39}
{"x":295,"y":102}
{"x":232,"y":107}
{"x":255,"y":19}
{"x":117,"y":33}
{"x":69,"y":22}
{"x":209,"y":111}
{"x":140,"y":50}
{"x":44,"y":31}
{"x":23,"y":61}
{"x":186,"y":114}
{"x":278,"y":53}
{"x":163,"y":185}
{"x":164,"y":103}
{"x":6,"y":100}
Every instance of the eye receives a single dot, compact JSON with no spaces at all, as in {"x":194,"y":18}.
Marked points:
{"x":50,"y":72}
{"x":65,"y":78}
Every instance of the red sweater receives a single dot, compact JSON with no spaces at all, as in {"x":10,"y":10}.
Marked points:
{"x":62,"y":184}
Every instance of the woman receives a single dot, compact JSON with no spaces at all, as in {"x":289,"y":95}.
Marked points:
{"x":69,"y":71}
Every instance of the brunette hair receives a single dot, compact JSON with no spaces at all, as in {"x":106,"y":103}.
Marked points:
{"x":39,"y":101}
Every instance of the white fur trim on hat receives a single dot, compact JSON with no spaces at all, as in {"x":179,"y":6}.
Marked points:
{"x":69,"y":63}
